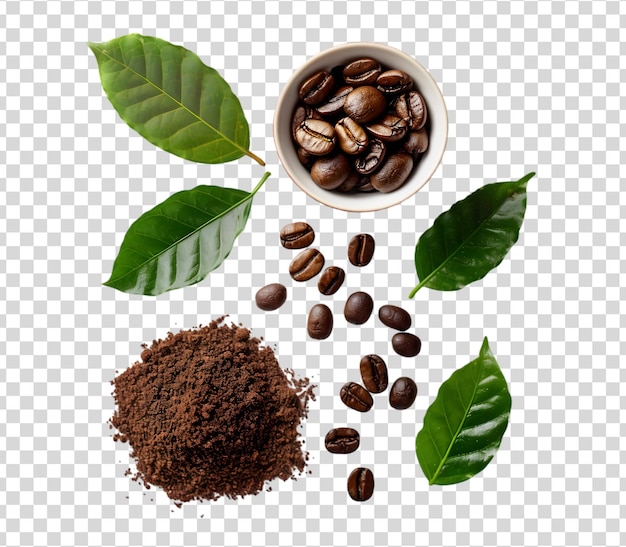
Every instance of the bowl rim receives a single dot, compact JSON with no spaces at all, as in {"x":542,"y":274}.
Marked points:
{"x":348,"y":46}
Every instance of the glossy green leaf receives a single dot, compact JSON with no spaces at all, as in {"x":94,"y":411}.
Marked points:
{"x":172,"y":99}
{"x":470,"y":239}
{"x":464,"y":426}
{"x":181,"y":240}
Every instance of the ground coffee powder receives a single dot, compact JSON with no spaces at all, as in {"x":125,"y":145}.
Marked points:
{"x":209,"y":412}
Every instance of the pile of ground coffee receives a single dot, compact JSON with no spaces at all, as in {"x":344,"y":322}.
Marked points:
{"x":209,"y":412}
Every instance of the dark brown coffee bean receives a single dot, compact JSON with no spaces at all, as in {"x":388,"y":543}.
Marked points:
{"x":334,"y":104}
{"x":297,"y":235}
{"x":394,"y":317}
{"x":351,"y":137}
{"x":361,"y":250}
{"x":362,"y":72}
{"x":317,"y":137}
{"x":406,"y":344}
{"x":342,"y":440}
{"x":317,"y":88}
{"x":331,"y":280}
{"x":365,"y":185}
{"x":361,"y":484}
{"x":329,"y":172}
{"x":303,"y":113}
{"x":356,"y":397}
{"x":271,"y":297}
{"x":388,"y":129}
{"x":305,"y":158}
{"x":358,"y":308}
{"x":416,"y":143}
{"x":365,"y":104}
{"x":372,"y":158}
{"x":319,"y":325}
{"x":350,"y":183}
{"x":394,"y":81}
{"x":393,"y":172}
{"x":402,"y":393}
{"x":306,"y":265}
{"x":374,"y":373}
{"x":337,"y":73}
{"x":412,"y":107}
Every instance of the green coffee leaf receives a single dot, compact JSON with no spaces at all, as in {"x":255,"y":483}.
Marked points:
{"x":464,"y":426}
{"x":178,"y":242}
{"x":172,"y":99}
{"x":472,"y":237}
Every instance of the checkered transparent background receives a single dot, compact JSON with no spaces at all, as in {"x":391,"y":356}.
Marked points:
{"x":530,"y":86}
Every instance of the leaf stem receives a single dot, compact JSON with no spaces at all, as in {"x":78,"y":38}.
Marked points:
{"x":265,"y":176}
{"x":526,"y":178}
{"x":414,"y":291}
{"x":256,"y":158}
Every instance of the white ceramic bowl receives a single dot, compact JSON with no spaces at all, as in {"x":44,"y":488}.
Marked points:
{"x":388,"y":57}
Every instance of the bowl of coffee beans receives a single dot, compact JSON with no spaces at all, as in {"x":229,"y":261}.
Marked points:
{"x":361,"y":127}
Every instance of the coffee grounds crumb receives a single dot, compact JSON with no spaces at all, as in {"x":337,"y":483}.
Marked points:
{"x":208,"y":412}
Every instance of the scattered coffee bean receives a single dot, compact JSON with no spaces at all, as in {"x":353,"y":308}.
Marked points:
{"x":297,"y":235}
{"x":394,"y":317}
{"x":329,"y":172}
{"x":361,"y":484}
{"x":271,"y":297}
{"x":342,"y":440}
{"x":406,"y":344}
{"x":361,"y":250}
{"x":317,"y":88}
{"x":306,"y":265}
{"x":320,"y":322}
{"x":364,"y":104}
{"x":393,"y":173}
{"x":358,"y":308}
{"x":356,"y":109}
{"x":362,"y":72}
{"x":356,"y":397}
{"x":331,"y":280}
{"x":402,"y":393}
{"x":374,"y":373}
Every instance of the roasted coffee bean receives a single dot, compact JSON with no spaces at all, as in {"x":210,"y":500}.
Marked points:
{"x":319,"y":325}
{"x":372,"y":158}
{"x":361,"y":484}
{"x":394,"y":317}
{"x":412,"y":107}
{"x":406,"y":344}
{"x":350,"y":183}
{"x":393,"y":172}
{"x":317,"y":137}
{"x":365,"y":185}
{"x":402,"y":393}
{"x":305,"y":158}
{"x":351,"y":137}
{"x":271,"y":297}
{"x":374,"y":373}
{"x":365,"y":104}
{"x":303,"y":113}
{"x":306,"y":265}
{"x":356,"y":397}
{"x":297,"y":235}
{"x":317,"y":88}
{"x":416,"y":143}
{"x":342,"y":440}
{"x":329,"y":172}
{"x":331,"y":280}
{"x":388,"y":129}
{"x":358,"y":308}
{"x":334,"y":104}
{"x":361,"y":250}
{"x":394,"y":81}
{"x":362,"y":72}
